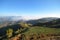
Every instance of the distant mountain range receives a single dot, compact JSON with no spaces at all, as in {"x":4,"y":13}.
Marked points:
{"x":7,"y":20}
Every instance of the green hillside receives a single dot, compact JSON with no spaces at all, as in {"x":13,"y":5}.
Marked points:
{"x":44,"y":30}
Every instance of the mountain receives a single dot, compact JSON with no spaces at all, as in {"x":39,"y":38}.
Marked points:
{"x":47,"y":22}
{"x":43,"y":24}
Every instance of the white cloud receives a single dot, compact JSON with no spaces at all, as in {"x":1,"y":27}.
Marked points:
{"x":42,"y":16}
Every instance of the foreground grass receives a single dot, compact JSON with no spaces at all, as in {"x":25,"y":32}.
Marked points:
{"x":42,"y":30}
{"x":39,"y":33}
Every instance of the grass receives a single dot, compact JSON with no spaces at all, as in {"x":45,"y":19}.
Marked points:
{"x":44,"y":30}
{"x":34,"y":33}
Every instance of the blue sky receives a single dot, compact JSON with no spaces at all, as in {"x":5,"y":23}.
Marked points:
{"x":37,"y":8}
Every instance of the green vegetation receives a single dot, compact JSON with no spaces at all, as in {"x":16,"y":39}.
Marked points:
{"x":42,"y":30}
{"x":9,"y":32}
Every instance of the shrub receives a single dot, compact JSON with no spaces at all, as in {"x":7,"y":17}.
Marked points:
{"x":9,"y":32}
